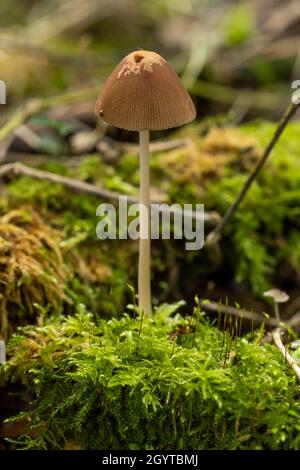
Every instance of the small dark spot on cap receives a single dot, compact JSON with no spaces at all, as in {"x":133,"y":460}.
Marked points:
{"x":101,"y":113}
{"x":138,"y":58}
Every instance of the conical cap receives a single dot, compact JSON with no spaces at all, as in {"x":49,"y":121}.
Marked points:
{"x":143,"y":92}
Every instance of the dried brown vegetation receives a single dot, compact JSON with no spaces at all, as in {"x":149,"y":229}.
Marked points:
{"x":32,"y":266}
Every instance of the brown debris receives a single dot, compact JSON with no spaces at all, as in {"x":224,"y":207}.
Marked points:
{"x":211,"y":156}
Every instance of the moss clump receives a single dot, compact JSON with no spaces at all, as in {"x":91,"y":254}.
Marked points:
{"x":166,"y":383}
{"x":259,"y":247}
{"x":32,"y":267}
{"x":260,"y":238}
{"x":46,"y":270}
{"x":212,"y":170}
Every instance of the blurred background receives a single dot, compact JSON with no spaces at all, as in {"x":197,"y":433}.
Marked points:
{"x":237,"y":57}
{"x":238,"y":60}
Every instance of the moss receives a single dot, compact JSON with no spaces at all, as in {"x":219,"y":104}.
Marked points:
{"x":32,"y":267}
{"x":45,"y":265}
{"x":172,"y":383}
{"x":211,"y":170}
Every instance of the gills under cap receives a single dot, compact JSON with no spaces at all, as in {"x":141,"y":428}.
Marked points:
{"x":144,"y":93}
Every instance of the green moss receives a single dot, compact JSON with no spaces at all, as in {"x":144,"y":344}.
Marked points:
{"x":210,"y":170}
{"x":257,"y":236}
{"x":166,"y":383}
{"x":55,"y":260}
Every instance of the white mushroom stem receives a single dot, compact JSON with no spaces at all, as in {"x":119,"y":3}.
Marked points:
{"x":276,"y":310}
{"x":144,"y":280}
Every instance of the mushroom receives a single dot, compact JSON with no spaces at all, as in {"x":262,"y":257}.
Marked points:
{"x":279,"y":297}
{"x":144,"y":93}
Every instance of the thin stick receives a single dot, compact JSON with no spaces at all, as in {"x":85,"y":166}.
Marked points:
{"x":158,"y":146}
{"x":144,"y":281}
{"x":219,"y":308}
{"x":213,"y":236}
{"x":72,"y":183}
{"x":139,"y":334}
{"x":277,"y":340}
{"x":20,"y":116}
{"x":294,"y":321}
{"x":245,"y":314}
{"x":34,"y":106}
{"x":78,"y":186}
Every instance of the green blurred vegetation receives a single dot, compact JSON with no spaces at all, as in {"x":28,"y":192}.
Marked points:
{"x":50,"y":45}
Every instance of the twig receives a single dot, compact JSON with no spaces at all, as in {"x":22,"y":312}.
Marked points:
{"x":293,"y":307}
{"x":75,"y":185}
{"x":282,"y":48}
{"x":245,"y":314}
{"x":16,"y":169}
{"x":65,"y":16}
{"x":294,"y":321}
{"x":158,"y":146}
{"x":28,"y":136}
{"x":34,"y":106}
{"x":20,"y":116}
{"x":276,"y":334}
{"x":213,"y":236}
{"x":4,"y":146}
{"x":247,"y":98}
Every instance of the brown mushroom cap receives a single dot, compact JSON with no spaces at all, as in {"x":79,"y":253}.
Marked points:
{"x":144,"y":93}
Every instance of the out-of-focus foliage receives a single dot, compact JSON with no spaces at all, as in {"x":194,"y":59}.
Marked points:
{"x":50,"y":45}
{"x":239,"y":24}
